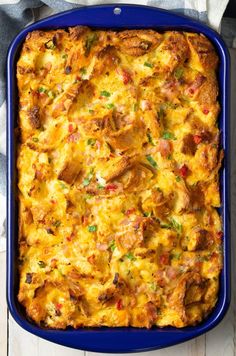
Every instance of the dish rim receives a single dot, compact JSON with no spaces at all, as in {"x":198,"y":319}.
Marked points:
{"x":109,"y":339}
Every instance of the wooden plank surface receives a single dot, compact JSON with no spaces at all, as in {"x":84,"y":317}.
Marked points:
{"x":218,"y":342}
{"x":22,"y":343}
{"x":3,"y":306}
{"x":194,"y":347}
{"x":221,"y":340}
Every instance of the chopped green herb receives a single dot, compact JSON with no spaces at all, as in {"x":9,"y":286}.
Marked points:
{"x":63,"y":186}
{"x":65,"y":56}
{"x":91,"y":171}
{"x":178,"y":72}
{"x":147,"y":64}
{"x":91,"y":111}
{"x":135,"y":107}
{"x":178,"y":179}
{"x":130,"y":256}
{"x":56,"y":223}
{"x":173,"y":225}
{"x":88,"y":196}
{"x":110,"y":106}
{"x":105,"y":93}
{"x":68,"y":69}
{"x":169,"y":156}
{"x":168,"y":105}
{"x":176,"y":225}
{"x":203,"y":258}
{"x":51,"y":94}
{"x":165,"y":105}
{"x":35,"y":139}
{"x":50,"y":44}
{"x":166,"y":226}
{"x":112,"y":245}
{"x":168,"y":136}
{"x":151,"y":161}
{"x":150,"y":140}
{"x":83,"y":70}
{"x":92,"y":228}
{"x":110,"y":147}
{"x":154,"y":286}
{"x":175,"y":255}
{"x":161,"y":113}
{"x":29,"y":277}
{"x":86,"y":182}
{"x":91,"y":141}
{"x":90,"y":41}
{"x":147,"y":214}
{"x":49,"y":231}
{"x":42,"y":90}
{"x":60,"y":271}
{"x":100,"y":186}
{"x":41,"y":264}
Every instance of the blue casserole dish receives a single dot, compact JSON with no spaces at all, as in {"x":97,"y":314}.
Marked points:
{"x":116,"y":340}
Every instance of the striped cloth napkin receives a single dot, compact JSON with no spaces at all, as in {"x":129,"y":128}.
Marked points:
{"x":16,"y":14}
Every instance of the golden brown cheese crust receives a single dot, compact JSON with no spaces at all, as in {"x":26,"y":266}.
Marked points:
{"x":118,"y":178}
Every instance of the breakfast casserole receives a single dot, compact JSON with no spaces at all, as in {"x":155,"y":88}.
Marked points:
{"x":118,"y":177}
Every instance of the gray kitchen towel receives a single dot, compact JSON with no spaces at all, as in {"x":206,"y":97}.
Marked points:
{"x":15,"y":15}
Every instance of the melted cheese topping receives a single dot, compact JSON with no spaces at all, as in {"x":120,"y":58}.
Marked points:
{"x":118,"y":178}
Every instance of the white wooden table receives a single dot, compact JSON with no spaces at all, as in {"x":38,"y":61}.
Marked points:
{"x":14,"y":341}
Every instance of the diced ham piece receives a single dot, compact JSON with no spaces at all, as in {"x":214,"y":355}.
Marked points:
{"x":196,"y":84}
{"x":164,"y":258}
{"x":171,"y":272}
{"x":205,"y":111}
{"x":130,"y":211}
{"x":197,"y":139}
{"x":119,"y":305}
{"x":126,"y":77}
{"x":70,"y":128}
{"x":165,"y":147}
{"x":184,"y":171}
{"x":102,"y":246}
{"x":73,"y":137}
{"x":111,"y":187}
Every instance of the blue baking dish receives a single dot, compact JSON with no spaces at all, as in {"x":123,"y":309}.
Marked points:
{"x":116,"y":340}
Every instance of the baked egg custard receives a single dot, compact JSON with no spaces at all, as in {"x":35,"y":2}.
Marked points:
{"x":118,"y":178}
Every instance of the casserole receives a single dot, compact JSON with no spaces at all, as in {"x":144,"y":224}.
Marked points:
{"x":118,"y":188}
{"x":94,"y":339}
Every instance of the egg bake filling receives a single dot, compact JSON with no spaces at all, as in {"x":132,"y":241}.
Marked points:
{"x":118,"y":176}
